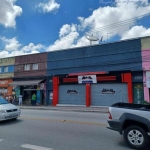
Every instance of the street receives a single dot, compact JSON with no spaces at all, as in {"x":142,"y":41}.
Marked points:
{"x":59,"y":130}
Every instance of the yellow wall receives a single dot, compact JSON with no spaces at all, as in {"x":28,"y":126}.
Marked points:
{"x":7,"y":75}
{"x":145,"y":43}
{"x":7,"y":61}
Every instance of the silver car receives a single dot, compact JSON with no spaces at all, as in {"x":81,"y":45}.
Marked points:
{"x":8,"y":111}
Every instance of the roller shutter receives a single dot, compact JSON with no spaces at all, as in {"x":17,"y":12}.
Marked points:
{"x":72,"y":94}
{"x":108,"y":94}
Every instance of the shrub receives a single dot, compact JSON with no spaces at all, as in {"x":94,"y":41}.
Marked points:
{"x":146,"y":103}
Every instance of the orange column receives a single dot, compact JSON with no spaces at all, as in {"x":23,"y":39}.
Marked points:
{"x":55,"y":90}
{"x":127,"y":78}
{"x":88,"y":95}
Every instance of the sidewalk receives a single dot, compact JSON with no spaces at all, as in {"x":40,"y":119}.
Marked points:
{"x":68,"y":108}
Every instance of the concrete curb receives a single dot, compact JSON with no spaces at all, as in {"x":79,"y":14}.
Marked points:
{"x":67,"y":109}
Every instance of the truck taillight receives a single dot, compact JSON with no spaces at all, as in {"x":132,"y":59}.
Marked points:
{"x":110,"y":117}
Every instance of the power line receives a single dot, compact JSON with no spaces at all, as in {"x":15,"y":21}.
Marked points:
{"x":121,"y":23}
{"x":114,"y":25}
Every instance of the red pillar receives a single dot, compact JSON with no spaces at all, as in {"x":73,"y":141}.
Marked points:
{"x":88,"y":95}
{"x":127,"y":78}
{"x":55,"y":90}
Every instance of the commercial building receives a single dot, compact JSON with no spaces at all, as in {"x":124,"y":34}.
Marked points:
{"x":6,"y":75}
{"x":30,"y":77}
{"x":146,"y":67}
{"x":97,"y":75}
{"x":94,"y":75}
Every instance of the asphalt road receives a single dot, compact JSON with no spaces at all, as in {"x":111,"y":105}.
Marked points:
{"x":59,"y":130}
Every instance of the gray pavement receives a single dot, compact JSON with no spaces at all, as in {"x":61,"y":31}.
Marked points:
{"x":68,"y":108}
{"x":59,"y":130}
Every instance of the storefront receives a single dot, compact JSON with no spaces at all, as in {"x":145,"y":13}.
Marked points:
{"x":72,"y":94}
{"x":5,"y":88}
{"x":108,"y":94}
{"x":138,"y":94}
{"x":145,"y":42}
{"x":92,"y":90}
{"x":146,"y":82}
{"x":28,"y":88}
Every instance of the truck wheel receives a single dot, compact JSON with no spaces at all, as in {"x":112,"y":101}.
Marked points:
{"x":136,"y":137}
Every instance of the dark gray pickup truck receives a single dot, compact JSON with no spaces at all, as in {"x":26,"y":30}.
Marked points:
{"x":131,"y":120}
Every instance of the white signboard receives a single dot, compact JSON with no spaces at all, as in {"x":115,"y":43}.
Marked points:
{"x":51,"y":95}
{"x":148,"y":79}
{"x":148,"y":83}
{"x":87,"y":79}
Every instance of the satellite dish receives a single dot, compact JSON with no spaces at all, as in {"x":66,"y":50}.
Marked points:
{"x":92,"y":38}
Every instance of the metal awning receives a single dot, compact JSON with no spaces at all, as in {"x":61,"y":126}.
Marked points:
{"x":31,"y":82}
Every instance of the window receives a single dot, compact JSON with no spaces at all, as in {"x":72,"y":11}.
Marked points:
{"x":34,"y":66}
{"x":27,"y":67}
{"x":6,"y":69}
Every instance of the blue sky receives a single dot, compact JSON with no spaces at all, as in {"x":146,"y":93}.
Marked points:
{"x":32,"y":26}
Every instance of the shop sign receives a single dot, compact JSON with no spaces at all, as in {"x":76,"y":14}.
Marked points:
{"x":148,"y":79}
{"x":7,"y":61}
{"x":51,"y":95}
{"x":42,"y":86}
{"x":8,"y":75}
{"x":138,"y":78}
{"x":3,"y":82}
{"x":138,"y":93}
{"x":87,"y":79}
{"x":108,"y":91}
{"x":148,"y":83}
{"x":72,"y":91}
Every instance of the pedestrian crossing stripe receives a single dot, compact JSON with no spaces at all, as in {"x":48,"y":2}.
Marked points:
{"x":34,"y":147}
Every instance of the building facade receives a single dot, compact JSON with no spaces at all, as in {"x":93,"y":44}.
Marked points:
{"x":6,"y":75}
{"x":30,"y":77}
{"x":146,"y":67}
{"x":97,"y":75}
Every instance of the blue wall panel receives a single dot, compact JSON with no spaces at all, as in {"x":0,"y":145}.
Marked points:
{"x":119,"y":56}
{"x":10,"y":69}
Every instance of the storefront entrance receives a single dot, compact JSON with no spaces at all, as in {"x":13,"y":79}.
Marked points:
{"x":27,"y":96}
{"x":138,"y":93}
{"x":27,"y":89}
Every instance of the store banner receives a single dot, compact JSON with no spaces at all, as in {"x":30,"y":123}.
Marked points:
{"x":148,"y":79}
{"x":5,"y":83}
{"x":87,"y":79}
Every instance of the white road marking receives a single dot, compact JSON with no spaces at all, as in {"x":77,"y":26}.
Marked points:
{"x":1,"y":140}
{"x":34,"y":147}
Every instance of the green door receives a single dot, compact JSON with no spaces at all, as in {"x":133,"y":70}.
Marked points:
{"x":138,"y":93}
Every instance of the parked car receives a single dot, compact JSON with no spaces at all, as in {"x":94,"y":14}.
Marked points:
{"x":8,"y":111}
{"x":131,"y":120}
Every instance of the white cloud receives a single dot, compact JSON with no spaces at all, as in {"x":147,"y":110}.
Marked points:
{"x":8,"y":12}
{"x":136,"y":31}
{"x":12,"y":47}
{"x":68,"y":35}
{"x":33,"y":52}
{"x":16,"y":53}
{"x":104,"y":16}
{"x":4,"y":54}
{"x":51,"y":6}
{"x":32,"y":48}
{"x":67,"y":29}
{"x":11,"y":44}
{"x":97,"y":24}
